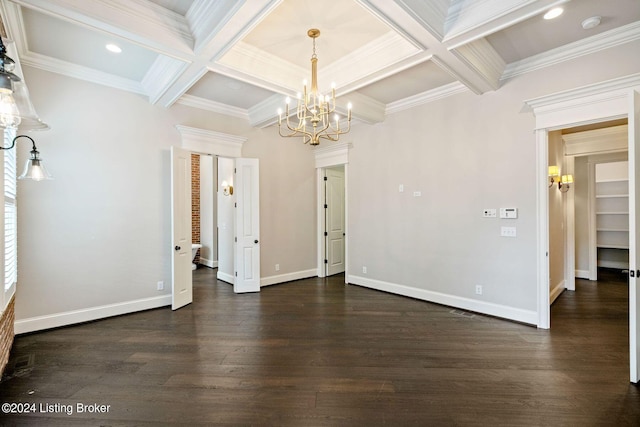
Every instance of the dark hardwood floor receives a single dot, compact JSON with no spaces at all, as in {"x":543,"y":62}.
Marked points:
{"x":316,"y":352}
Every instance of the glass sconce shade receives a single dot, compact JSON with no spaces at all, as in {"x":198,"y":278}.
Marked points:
{"x":34,"y":169}
{"x":554,"y":171}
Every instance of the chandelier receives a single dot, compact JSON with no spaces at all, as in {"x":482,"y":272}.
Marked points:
{"x":312,"y":119}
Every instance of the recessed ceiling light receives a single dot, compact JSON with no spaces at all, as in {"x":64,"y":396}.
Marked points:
{"x":592,"y":22}
{"x":113,"y":48}
{"x":553,"y":13}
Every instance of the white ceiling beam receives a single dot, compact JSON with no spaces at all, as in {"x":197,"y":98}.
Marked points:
{"x":162,"y":31}
{"x":469,"y":21}
{"x":483,"y":59}
{"x":432,"y":15}
{"x":215,"y":40}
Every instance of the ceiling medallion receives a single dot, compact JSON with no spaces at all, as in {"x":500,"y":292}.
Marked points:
{"x":312,"y":117}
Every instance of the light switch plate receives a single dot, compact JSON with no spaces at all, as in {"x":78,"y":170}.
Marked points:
{"x":509,"y":213}
{"x":489,"y":213}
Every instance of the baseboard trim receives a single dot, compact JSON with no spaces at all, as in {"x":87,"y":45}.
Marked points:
{"x":288,"y":277}
{"x":497,"y":310}
{"x":582,"y":274}
{"x":209,"y":262}
{"x":225,"y":277}
{"x":67,"y":318}
{"x":556,"y":291}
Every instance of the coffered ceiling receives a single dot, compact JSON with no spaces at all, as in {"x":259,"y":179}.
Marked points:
{"x":243,"y":57}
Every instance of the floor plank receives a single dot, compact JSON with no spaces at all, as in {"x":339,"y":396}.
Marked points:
{"x":316,"y":352}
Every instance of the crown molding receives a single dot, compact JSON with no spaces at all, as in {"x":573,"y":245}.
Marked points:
{"x":484,"y":17}
{"x":162,"y":74}
{"x":332,"y":154}
{"x":483,"y":59}
{"x":264,"y":114}
{"x":426,"y":97}
{"x":206,"y":18}
{"x":383,"y":52}
{"x":248,"y":59}
{"x":593,"y":44}
{"x":83,"y":73}
{"x":431,"y":15}
{"x":215,"y":107}
{"x":585,"y":103}
{"x":211,"y":142}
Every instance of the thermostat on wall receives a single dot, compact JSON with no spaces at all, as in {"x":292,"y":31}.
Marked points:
{"x":509,"y":213}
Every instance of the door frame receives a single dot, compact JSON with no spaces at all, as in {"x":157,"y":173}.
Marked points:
{"x":608,"y":100}
{"x":325,"y":157}
{"x":203,"y":141}
{"x":326,"y":232}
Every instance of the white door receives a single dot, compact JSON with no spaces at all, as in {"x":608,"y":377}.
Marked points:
{"x":181,"y":287}
{"x":334,"y":220}
{"x":634,"y":237}
{"x":247,"y":244}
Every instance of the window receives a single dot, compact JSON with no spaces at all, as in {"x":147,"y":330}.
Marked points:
{"x":10,"y":219}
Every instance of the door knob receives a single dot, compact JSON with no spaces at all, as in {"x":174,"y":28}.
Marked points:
{"x":178,"y":248}
{"x":255,"y":241}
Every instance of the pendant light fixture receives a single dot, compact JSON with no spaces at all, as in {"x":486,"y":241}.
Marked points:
{"x":314,"y":110}
{"x":16,"y":109}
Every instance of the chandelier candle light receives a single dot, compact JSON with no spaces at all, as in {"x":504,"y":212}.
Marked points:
{"x":315,"y":109}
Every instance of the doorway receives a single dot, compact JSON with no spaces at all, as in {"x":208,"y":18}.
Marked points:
{"x":609,"y":100}
{"x":334,"y":220}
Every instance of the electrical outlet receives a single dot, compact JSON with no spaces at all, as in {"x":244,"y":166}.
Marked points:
{"x":508,"y":232}
{"x":478,"y":289}
{"x":160,"y":286}
{"x":277,"y":267}
{"x":364,"y":270}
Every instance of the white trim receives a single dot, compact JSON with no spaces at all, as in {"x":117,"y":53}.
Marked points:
{"x":569,"y":230}
{"x":213,"y":106}
{"x":503,"y":311}
{"x":556,"y":291}
{"x":591,"y":221}
{"x":582,"y":274}
{"x":288,"y":277}
{"x":332,"y":155}
{"x":208,"y":262}
{"x":606,"y":40}
{"x":228,"y":278}
{"x":211,"y":142}
{"x":328,"y":156}
{"x":426,"y":97}
{"x":542,"y":221}
{"x":56,"y":320}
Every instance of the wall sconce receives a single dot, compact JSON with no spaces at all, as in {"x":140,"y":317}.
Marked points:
{"x":33,"y":169}
{"x":565,"y":182}
{"x":554,"y":171}
{"x":227,"y":189}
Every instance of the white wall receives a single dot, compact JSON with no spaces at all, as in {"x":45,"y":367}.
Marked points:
{"x":464,"y":153}
{"x":96,"y":240}
{"x":208,"y":211}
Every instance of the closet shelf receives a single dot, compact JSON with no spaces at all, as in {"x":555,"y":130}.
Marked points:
{"x":603,"y":246}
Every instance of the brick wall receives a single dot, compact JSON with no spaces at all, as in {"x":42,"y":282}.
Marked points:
{"x":6,"y":333}
{"x":195,"y":201}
